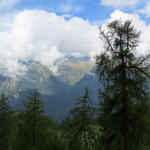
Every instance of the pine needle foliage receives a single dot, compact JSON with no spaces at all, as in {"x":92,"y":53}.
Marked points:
{"x":124,"y":97}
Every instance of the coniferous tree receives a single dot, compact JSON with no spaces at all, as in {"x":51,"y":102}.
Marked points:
{"x":33,"y":124}
{"x":80,"y":132}
{"x":124,"y":97}
{"x":33,"y":116}
{"x":33,"y":130}
{"x":4,"y":121}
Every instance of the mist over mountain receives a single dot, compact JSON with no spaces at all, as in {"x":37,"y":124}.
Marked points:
{"x":59,"y":91}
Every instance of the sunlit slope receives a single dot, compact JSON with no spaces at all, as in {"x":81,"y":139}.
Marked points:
{"x":71,"y":72}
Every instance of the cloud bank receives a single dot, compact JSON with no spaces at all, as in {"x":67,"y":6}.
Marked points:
{"x":44,"y":37}
{"x":47,"y":38}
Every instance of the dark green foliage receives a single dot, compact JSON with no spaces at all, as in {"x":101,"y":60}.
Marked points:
{"x":55,"y":141}
{"x":32,"y":125}
{"x":4,"y":121}
{"x":34,"y":120}
{"x":124,"y":98}
{"x":123,"y":121}
{"x":33,"y":130}
{"x":80,"y":131}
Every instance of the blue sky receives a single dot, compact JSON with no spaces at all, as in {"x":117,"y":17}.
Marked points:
{"x":93,"y":10}
{"x":49,"y":31}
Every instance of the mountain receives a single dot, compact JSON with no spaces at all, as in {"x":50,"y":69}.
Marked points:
{"x":90,"y":80}
{"x":58,"y":91}
{"x":72,"y":72}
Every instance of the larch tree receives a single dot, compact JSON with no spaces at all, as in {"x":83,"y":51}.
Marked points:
{"x":124,"y":98}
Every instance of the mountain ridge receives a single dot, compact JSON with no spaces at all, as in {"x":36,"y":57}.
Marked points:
{"x":57,"y":91}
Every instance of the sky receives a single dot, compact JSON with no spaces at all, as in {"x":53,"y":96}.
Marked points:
{"x":48,"y":31}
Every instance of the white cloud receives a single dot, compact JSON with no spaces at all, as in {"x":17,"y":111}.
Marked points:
{"x":119,"y":3}
{"x":145,"y":10}
{"x":69,"y":7}
{"x":48,"y":58}
{"x":48,"y":38}
{"x":6,"y":4}
{"x":140,"y":25}
{"x":44,"y":37}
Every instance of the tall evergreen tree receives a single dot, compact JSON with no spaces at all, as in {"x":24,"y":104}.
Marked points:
{"x":4,"y":121}
{"x":124,"y":97}
{"x":32,"y":126}
{"x":80,"y":126}
{"x":34,"y":110}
